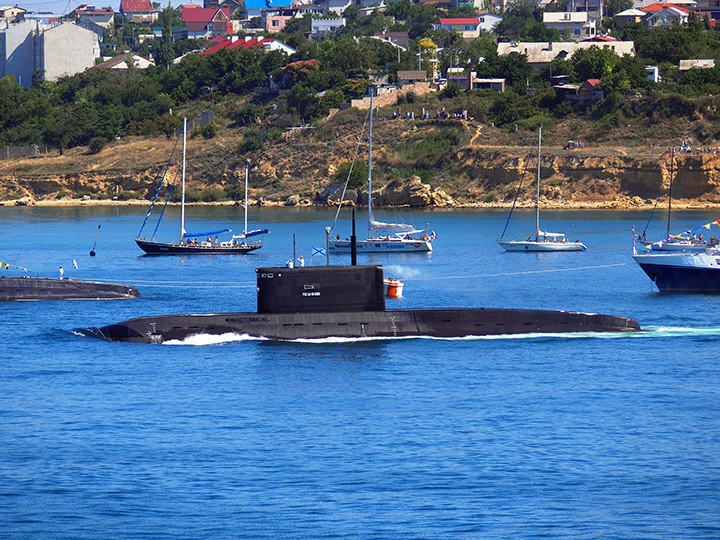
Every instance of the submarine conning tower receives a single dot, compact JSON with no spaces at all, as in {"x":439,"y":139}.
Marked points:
{"x":320,"y":289}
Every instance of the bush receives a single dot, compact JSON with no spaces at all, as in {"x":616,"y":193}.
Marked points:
{"x":451,"y":90}
{"x":214,"y":194}
{"x":96,"y":144}
{"x":253,"y":141}
{"x":191,"y":195}
{"x":207,"y":131}
{"x":429,"y":150}
{"x":128,"y":195}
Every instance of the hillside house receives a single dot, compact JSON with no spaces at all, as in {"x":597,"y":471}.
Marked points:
{"x":138,"y":11}
{"x":253,"y":8}
{"x":206,"y":23}
{"x":336,"y":7}
{"x":12,"y":13}
{"x":629,"y":16}
{"x":230,"y":5}
{"x":371,"y":6}
{"x":274,"y":20}
{"x":411,"y":77}
{"x":470,"y":81}
{"x":579,"y":25}
{"x":581,"y":95}
{"x":594,"y":8}
{"x":687,"y":65}
{"x":103,"y":17}
{"x":540,"y":54}
{"x":321,"y":27}
{"x":468,"y":28}
{"x":661,"y":15}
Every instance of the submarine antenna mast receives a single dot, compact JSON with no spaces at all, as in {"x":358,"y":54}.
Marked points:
{"x":247,"y":167}
{"x":327,"y":246}
{"x":353,"y":242}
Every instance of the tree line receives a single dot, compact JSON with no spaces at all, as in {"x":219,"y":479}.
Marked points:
{"x":98,"y":105}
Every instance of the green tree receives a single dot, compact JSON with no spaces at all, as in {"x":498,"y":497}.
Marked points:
{"x":355,"y":174}
{"x":593,"y":63}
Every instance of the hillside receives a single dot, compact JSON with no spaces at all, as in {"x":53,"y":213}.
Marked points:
{"x":480,"y":166}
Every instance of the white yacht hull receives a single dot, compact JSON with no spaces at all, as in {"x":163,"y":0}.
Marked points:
{"x":531,"y":246}
{"x":681,"y":246}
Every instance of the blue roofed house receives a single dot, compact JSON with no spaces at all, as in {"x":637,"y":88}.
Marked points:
{"x":253,"y":8}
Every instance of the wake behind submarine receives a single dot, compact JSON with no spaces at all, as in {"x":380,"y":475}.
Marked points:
{"x":349,"y":302}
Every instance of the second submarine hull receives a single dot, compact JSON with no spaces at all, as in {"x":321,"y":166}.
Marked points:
{"x":444,"y":323}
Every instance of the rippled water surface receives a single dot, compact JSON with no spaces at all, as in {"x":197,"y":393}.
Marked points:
{"x":585,"y":436}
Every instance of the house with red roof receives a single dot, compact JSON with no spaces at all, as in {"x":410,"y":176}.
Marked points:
{"x":138,"y":11}
{"x":206,"y":23}
{"x":662,"y":15}
{"x":104,"y":17}
{"x":246,"y":42}
{"x":468,"y":27}
{"x":581,"y":95}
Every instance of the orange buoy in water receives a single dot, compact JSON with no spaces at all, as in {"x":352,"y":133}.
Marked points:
{"x":394,"y":287}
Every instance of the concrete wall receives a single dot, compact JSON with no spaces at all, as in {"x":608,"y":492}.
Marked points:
{"x":66,"y":49}
{"x":17,"y":51}
{"x":388,"y":98}
{"x":12,"y":152}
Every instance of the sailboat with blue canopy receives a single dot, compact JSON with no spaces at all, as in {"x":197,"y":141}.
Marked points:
{"x":188,"y":243}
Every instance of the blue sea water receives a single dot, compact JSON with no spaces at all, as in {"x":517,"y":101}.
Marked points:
{"x":586,"y":436}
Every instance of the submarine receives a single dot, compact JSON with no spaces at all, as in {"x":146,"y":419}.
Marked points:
{"x":26,"y":288}
{"x":349,"y":302}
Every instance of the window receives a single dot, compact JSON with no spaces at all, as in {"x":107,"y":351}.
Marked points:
{"x":469,"y":28}
{"x":577,"y":32}
{"x":276,"y":23}
{"x":482,"y":19}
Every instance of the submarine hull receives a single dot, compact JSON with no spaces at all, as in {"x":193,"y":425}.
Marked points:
{"x":443,"y":323}
{"x":35,"y":288}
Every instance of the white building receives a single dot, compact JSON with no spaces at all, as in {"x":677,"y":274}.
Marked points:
{"x":55,"y":50}
{"x":320,"y":27}
{"x":540,"y":54}
{"x":579,"y":24}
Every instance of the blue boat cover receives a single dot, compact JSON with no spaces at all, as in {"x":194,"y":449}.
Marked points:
{"x":194,"y":235}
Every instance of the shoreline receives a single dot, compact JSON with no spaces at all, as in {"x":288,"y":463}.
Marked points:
{"x":525,"y":205}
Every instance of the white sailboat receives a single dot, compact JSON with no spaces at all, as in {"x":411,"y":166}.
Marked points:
{"x":544,"y":240}
{"x":188,"y":243}
{"x":385,"y":237}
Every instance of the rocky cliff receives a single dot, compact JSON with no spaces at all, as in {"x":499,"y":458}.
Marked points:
{"x":478,"y":174}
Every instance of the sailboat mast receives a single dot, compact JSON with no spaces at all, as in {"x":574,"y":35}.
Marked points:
{"x":672,"y":164}
{"x":370,"y":212}
{"x":247,"y":167}
{"x":537,"y":204}
{"x":182,"y":201}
